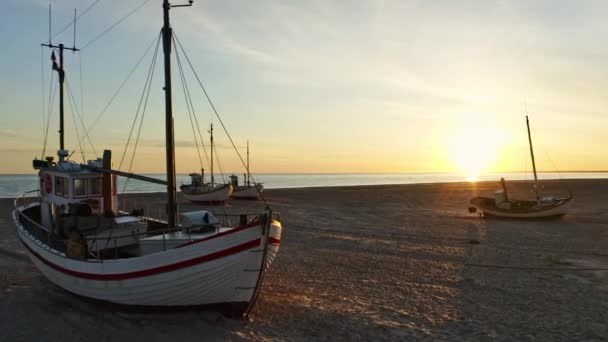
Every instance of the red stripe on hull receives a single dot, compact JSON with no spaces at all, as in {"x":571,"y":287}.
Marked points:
{"x":274,"y":241}
{"x":235,"y":230}
{"x":152,"y":271}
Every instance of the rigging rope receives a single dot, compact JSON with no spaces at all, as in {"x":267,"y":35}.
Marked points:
{"x":76,"y":130}
{"x":215,"y":111}
{"x":105,"y":108}
{"x":72,"y":21}
{"x":81,"y":86}
{"x":115,"y":24}
{"x":86,"y":134}
{"x":52,"y":93}
{"x":219,"y":165}
{"x":190,"y":108}
{"x":143,"y":113}
{"x":43,"y":97}
{"x":148,"y":80}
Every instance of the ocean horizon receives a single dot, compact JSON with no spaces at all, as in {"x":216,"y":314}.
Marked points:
{"x":13,"y":184}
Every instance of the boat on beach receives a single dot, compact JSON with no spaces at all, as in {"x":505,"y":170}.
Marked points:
{"x":75,"y":233}
{"x":502,"y":205}
{"x":249,"y":190}
{"x":200,"y":192}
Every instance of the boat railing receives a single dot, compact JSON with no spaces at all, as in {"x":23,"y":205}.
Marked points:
{"x":93,"y":241}
{"x":23,"y":198}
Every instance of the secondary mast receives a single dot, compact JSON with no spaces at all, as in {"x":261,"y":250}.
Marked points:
{"x":211,"y":132}
{"x":533,"y":162}
{"x":169,"y":131}
{"x":61,"y":71}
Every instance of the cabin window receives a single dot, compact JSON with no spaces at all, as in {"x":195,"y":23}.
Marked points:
{"x":61,"y":186}
{"x":80,"y":189}
{"x":96,"y":186}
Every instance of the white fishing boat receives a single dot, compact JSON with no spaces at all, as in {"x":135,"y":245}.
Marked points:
{"x":206,"y":193}
{"x":75,"y":234}
{"x":249,"y":190}
{"x":503,"y":206}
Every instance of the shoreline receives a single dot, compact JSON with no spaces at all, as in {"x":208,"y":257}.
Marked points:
{"x":329,"y":187}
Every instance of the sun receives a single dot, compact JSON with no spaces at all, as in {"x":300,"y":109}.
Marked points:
{"x":473,"y":150}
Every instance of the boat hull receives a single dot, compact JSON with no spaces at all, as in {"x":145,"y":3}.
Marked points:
{"x":216,"y":196}
{"x":487,"y":206}
{"x":248,"y":192}
{"x":223,"y":270}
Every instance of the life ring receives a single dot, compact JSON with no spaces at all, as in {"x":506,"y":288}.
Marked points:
{"x":48,"y":185}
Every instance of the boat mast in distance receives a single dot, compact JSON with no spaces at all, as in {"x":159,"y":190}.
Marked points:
{"x":169,"y":132}
{"x":533,"y":162}
{"x":248,"y":174}
{"x":211,"y":133}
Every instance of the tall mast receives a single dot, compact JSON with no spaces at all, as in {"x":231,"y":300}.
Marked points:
{"x":533,"y":162}
{"x":248,"y":176}
{"x":61,"y":71}
{"x":211,"y":132}
{"x":169,"y":134}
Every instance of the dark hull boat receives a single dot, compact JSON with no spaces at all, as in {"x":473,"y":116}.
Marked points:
{"x":502,"y":206}
{"x":548,"y":207}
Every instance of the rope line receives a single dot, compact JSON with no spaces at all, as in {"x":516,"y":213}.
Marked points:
{"x":105,"y":108}
{"x":81,"y":89}
{"x":191,"y":104}
{"x":188,"y":106}
{"x":115,"y":24}
{"x":52,"y":94}
{"x":85,"y":134}
{"x":141,"y":121}
{"x":76,"y":131}
{"x":68,"y":25}
{"x":43,"y":92}
{"x":219,"y":165}
{"x":148,"y":80}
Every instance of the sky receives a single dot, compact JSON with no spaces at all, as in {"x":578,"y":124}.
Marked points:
{"x":321,"y":86}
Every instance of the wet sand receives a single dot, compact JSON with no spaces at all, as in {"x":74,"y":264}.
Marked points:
{"x":398,"y":262}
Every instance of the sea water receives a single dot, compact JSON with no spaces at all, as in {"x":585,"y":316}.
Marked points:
{"x":12,"y":185}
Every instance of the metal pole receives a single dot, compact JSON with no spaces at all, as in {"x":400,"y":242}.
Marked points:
{"x":61,"y":79}
{"x":533,"y":162}
{"x":248,"y":175}
{"x":169,"y":137}
{"x":211,"y":132}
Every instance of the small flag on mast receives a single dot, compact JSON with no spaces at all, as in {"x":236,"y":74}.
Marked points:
{"x":55,"y":64}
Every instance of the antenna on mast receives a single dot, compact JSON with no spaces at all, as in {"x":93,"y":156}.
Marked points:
{"x":58,"y":65}
{"x":49,"y":24}
{"x":74,"y":46}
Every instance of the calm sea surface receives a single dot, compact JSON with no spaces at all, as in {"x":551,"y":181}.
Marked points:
{"x":11,"y":185}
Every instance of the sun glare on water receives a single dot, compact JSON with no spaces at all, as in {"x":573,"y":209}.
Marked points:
{"x":473,"y":151}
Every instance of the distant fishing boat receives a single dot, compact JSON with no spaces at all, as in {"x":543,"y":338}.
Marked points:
{"x":206,"y":193}
{"x":503,"y":206}
{"x":247,"y":190}
{"x":75,"y":234}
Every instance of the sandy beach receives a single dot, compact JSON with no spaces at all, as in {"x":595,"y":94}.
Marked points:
{"x":402,"y":262}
